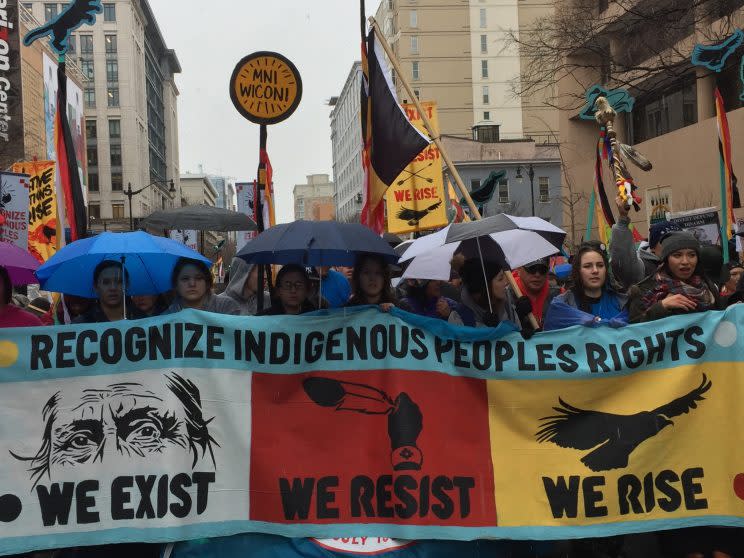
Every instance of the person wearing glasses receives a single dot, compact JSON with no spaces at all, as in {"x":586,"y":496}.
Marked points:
{"x":291,"y":293}
{"x":532,"y":280}
{"x":592,"y":291}
{"x":192,"y":282}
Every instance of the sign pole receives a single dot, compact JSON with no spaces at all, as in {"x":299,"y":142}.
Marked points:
{"x":261,"y":187}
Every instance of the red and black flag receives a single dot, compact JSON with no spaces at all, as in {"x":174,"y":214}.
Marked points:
{"x":67,"y":164}
{"x":390,"y":141}
{"x":732,"y":200}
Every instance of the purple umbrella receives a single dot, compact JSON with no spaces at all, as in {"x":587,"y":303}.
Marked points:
{"x":19,"y":263}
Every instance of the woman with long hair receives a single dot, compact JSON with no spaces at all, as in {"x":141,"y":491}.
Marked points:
{"x":592,"y":292}
{"x":192,"y":282}
{"x":679,"y":285}
{"x":371,"y":283}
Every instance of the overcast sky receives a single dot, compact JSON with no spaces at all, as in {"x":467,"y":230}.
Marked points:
{"x":321,"y":37}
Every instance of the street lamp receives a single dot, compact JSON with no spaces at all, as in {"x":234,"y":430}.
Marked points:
{"x":531,"y":176}
{"x":131,"y":193}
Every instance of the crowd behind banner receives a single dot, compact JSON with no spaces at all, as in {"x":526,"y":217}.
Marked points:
{"x":607,"y":287}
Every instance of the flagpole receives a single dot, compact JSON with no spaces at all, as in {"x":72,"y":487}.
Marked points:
{"x":427,"y":123}
{"x":724,"y":212}
{"x":437,"y":141}
{"x":590,"y":216}
{"x":261,"y":185}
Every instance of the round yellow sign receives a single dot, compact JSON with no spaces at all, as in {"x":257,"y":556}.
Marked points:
{"x":265,"y":87}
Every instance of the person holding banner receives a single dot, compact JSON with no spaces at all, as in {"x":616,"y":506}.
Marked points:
{"x":292,"y":292}
{"x":107,"y":283}
{"x":735,"y":273}
{"x":592,"y":292}
{"x":371,"y":282}
{"x":149,"y":305}
{"x":679,"y":286}
{"x":11,"y":315}
{"x":192,"y":282}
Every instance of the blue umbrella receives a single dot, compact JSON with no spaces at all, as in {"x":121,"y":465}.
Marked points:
{"x":149,"y":261}
{"x":313,"y":243}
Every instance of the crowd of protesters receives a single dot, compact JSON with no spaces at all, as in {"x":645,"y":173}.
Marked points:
{"x":669,"y":274}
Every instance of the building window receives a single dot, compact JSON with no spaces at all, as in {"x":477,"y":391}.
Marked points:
{"x":112,"y":71}
{"x":484,"y":44}
{"x":115,"y":155}
{"x":117,"y":210}
{"x":474,"y":184}
{"x":544,"y":191}
{"x":413,"y":16}
{"x":29,"y":6}
{"x":390,"y":4}
{"x":92,"y":156}
{"x":414,"y":44}
{"x":503,"y":191}
{"x":113,"y":96}
{"x":109,"y":12}
{"x":484,"y":68}
{"x":485,"y":95}
{"x":486,"y":115}
{"x":94,"y":210}
{"x":665,"y":111}
{"x":50,"y":12}
{"x":92,"y":180}
{"x":71,"y":44}
{"x":114,"y":129}
{"x":89,"y":96}
{"x":415,"y":71}
{"x":86,"y":67}
{"x":86,"y":44}
{"x":110,"y":41}
{"x":603,"y":5}
{"x":482,"y":17}
{"x":116,"y":182}
{"x":91,"y":129}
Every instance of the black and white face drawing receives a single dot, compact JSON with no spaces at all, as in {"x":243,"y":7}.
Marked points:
{"x":122,"y":421}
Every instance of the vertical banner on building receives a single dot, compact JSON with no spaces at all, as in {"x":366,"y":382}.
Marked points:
{"x":42,"y":208}
{"x":187,"y":237}
{"x":246,"y":193}
{"x":14,"y":208}
{"x":11,"y":99}
{"x":416,"y":200}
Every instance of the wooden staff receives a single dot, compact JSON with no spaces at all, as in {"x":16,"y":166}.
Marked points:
{"x":605,"y":116}
{"x":435,"y":137}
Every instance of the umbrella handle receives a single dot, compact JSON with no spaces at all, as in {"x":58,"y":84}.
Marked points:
{"x":518,"y":292}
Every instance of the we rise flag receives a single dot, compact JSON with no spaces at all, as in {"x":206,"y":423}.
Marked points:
{"x":366,"y":427}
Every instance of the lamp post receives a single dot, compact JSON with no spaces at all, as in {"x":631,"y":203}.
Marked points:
{"x":531,"y":176}
{"x":131,"y":193}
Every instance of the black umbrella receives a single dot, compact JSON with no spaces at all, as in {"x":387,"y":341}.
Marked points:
{"x":201,"y":218}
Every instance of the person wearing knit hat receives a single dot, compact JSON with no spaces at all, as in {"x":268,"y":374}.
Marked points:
{"x":679,"y":285}
{"x":629,"y":266}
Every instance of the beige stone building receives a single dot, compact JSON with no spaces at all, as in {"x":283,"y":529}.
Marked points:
{"x":131,"y":117}
{"x":673,"y":121}
{"x":459,"y":55}
{"x":314,"y":201}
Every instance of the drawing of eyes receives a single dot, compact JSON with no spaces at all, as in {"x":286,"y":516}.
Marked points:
{"x":79,"y":440}
{"x":144,"y":431}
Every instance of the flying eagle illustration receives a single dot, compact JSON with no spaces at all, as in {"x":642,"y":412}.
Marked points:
{"x":616,"y":435}
{"x":413,"y":216}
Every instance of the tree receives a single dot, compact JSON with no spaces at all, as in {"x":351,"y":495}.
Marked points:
{"x":643,"y":45}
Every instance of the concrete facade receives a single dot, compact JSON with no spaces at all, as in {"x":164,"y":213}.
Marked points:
{"x":131,"y":109}
{"x":476,"y":160}
{"x":675,"y":127}
{"x":458,"y":54}
{"x":314,"y":201}
{"x":346,"y":143}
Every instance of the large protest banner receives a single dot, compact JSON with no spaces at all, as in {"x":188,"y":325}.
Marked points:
{"x":388,"y":425}
{"x":42,"y":208}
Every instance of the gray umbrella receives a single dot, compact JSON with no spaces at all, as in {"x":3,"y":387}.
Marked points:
{"x":199,"y":217}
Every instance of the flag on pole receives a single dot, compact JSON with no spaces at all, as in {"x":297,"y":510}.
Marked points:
{"x":460,"y":214}
{"x":390,"y":141}
{"x":732,"y":199}
{"x":67,"y":166}
{"x":267,"y":194}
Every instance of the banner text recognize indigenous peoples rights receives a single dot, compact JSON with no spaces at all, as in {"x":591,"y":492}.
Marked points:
{"x":199,"y":425}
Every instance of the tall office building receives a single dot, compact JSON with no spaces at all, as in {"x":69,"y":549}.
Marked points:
{"x":131,"y":117}
{"x":346,"y":142}
{"x":459,"y":55}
